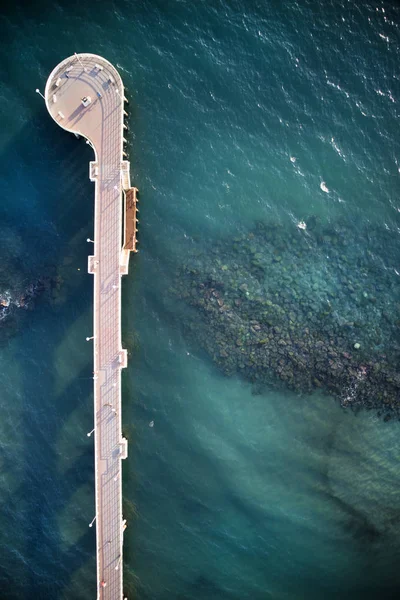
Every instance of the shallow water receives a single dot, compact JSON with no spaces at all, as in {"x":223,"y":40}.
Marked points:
{"x":237,"y":495}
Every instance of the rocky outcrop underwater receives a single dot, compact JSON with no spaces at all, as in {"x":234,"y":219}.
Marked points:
{"x":303,"y":307}
{"x":17,"y":297}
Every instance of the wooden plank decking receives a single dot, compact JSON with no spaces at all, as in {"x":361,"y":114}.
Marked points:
{"x":101,"y":121}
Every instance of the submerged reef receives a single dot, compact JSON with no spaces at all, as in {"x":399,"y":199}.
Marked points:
{"x":22,"y":284}
{"x":15,"y":299}
{"x":306,"y":308}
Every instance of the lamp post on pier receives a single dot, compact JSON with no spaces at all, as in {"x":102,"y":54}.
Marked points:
{"x":79,"y":60}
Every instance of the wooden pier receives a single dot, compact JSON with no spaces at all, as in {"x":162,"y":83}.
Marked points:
{"x":85,"y":95}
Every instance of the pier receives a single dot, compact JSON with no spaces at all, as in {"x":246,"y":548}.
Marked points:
{"x":84,"y":94}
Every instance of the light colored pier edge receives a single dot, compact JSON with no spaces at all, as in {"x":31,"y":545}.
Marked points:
{"x":102,"y":124}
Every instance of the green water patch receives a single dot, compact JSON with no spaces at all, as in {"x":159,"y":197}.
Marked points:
{"x":305,"y":308}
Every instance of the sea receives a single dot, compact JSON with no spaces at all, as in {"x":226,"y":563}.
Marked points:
{"x":240,"y":111}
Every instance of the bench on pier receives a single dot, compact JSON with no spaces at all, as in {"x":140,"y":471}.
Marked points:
{"x":130,"y":228}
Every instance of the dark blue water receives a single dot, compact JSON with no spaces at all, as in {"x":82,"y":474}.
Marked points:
{"x":240,"y":112}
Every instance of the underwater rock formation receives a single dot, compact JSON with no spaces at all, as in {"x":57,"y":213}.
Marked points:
{"x":303,"y":308}
{"x":16,"y":298}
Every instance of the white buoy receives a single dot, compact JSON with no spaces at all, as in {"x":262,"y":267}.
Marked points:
{"x":324,"y":187}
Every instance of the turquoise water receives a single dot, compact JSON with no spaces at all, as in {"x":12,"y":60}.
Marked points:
{"x":231,"y":494}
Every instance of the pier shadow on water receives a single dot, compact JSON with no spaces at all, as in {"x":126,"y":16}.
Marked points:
{"x":47,"y":549}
